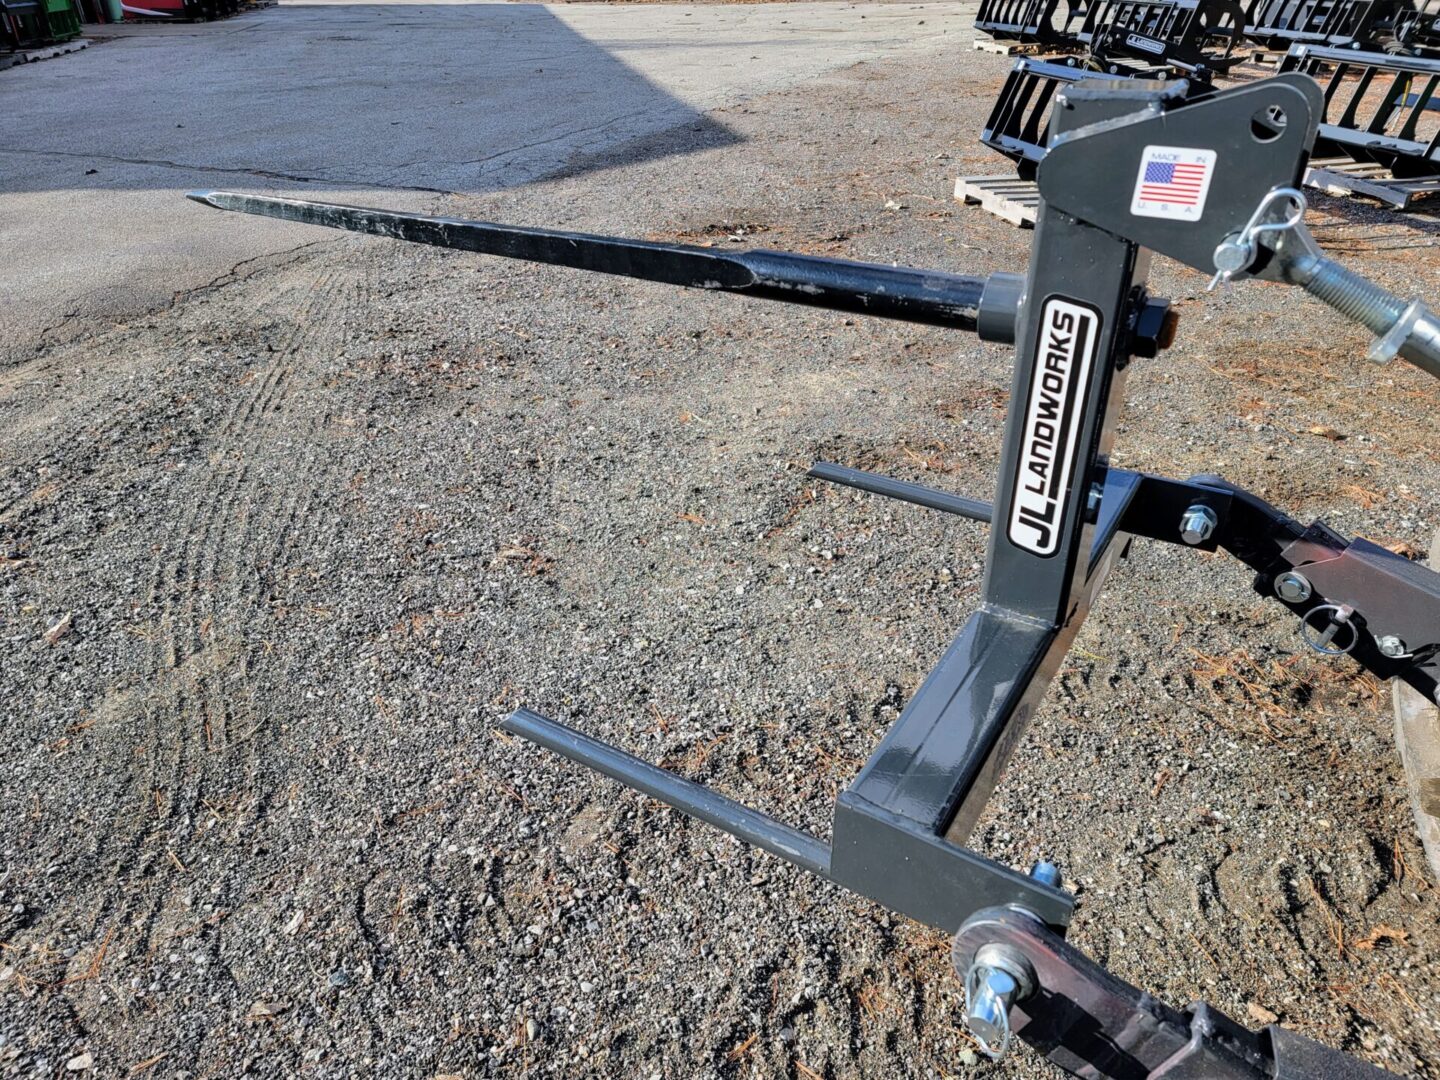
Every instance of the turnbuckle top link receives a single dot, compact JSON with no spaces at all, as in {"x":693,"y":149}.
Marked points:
{"x":1401,"y":328}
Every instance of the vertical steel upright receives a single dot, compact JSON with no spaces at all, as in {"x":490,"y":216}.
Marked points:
{"x":910,"y":809}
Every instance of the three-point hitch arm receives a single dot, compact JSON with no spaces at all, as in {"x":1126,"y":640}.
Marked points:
{"x":1214,"y":186}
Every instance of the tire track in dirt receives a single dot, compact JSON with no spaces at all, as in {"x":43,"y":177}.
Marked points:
{"x":202,"y":750}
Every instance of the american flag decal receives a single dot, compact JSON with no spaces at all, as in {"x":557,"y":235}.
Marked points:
{"x":1173,"y":182}
{"x":1167,"y":182}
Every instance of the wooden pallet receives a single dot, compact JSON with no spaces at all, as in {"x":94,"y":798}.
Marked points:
{"x":47,"y":52}
{"x":1008,"y":197}
{"x":1341,"y":176}
{"x":1005,"y":48}
{"x":1267,"y":57}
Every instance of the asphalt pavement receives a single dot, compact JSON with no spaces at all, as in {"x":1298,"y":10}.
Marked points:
{"x":391,"y":104}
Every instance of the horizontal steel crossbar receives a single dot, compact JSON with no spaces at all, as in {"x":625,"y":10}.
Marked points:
{"x":903,"y":490}
{"x":697,"y":800}
{"x":1375,"y":106}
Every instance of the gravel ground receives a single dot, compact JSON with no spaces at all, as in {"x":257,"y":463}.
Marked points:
{"x":315,"y":528}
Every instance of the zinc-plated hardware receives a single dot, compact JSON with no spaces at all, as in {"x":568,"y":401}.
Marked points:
{"x":1321,"y":637}
{"x":1293,"y":587}
{"x":1407,"y":329}
{"x":1237,"y":252}
{"x":1392,"y":646}
{"x":999,"y":976}
{"x":1197,"y":524}
{"x":1047,"y":873}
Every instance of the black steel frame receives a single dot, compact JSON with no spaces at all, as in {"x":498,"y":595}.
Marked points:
{"x":1278,"y":24}
{"x":1374,"y":105}
{"x":1195,"y":37}
{"x":1415,"y":26}
{"x":1019,"y":122}
{"x":1028,"y":22}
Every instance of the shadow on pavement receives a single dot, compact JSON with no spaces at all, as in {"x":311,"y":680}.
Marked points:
{"x":454,"y":97}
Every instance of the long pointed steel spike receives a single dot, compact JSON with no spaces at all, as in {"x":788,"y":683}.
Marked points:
{"x":924,"y":296}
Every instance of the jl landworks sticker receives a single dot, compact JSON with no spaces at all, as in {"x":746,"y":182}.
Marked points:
{"x":1173,"y":182}
{"x":1069,"y":336}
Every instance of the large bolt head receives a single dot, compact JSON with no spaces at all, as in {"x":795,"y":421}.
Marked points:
{"x":1231,"y":256}
{"x":1197,"y":524}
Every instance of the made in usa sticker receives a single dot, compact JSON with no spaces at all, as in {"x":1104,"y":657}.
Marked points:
{"x":1173,"y":182}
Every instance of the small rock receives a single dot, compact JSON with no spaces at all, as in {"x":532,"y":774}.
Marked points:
{"x":532,"y":1031}
{"x":1260,"y":1014}
{"x":968,"y":1057}
{"x":54,"y":634}
{"x":894,"y":204}
{"x":294,"y":924}
{"x":80,"y":1062}
{"x":264,"y":1010}
{"x":787,"y":1035}
{"x":340,"y":978}
{"x":586,"y":986}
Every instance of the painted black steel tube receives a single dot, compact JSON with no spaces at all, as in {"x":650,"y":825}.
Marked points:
{"x":792,"y":845}
{"x":903,"y":490}
{"x":892,"y":292}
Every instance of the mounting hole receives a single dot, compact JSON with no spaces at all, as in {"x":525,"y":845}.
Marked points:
{"x":1268,"y":124}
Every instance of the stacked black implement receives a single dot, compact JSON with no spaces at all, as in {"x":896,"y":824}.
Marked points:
{"x":1378,"y":61}
{"x":1279,"y":24}
{"x":1022,"y":22}
{"x":1195,"y":36}
{"x":1380,"y":135}
{"x":1196,"y":40}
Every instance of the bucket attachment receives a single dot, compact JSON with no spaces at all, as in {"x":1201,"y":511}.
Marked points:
{"x":1025,"y":22}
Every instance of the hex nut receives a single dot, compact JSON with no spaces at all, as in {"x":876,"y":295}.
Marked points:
{"x":1392,"y":646}
{"x":1198,"y":524}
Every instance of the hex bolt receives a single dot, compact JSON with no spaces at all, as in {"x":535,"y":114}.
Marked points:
{"x":1392,"y":646}
{"x":1197,"y":524}
{"x":1093,"y":498}
{"x":1047,"y":873}
{"x":1293,"y":587}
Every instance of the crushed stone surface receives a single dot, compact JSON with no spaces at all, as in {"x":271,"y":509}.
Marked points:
{"x":317,"y":528}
